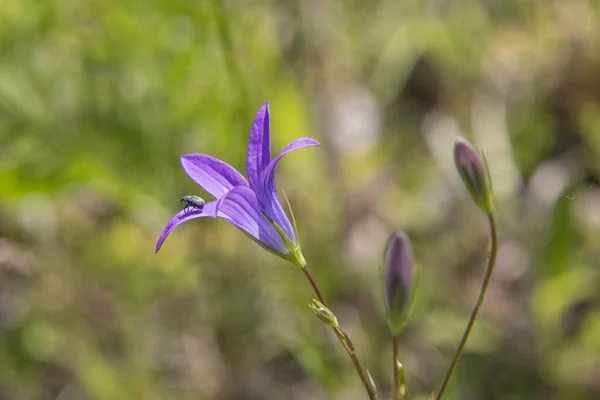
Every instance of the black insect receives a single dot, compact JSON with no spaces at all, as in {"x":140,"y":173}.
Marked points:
{"x":192,"y":202}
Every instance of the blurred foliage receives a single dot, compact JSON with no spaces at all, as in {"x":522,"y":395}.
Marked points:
{"x":98,"y":99}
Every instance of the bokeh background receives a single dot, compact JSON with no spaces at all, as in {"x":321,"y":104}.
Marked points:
{"x":99,"y":98}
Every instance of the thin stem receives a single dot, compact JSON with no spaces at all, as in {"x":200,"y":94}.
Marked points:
{"x":484,"y":286}
{"x":403,"y":382}
{"x":400,"y":387}
{"x":396,"y":376}
{"x":345,"y":341}
{"x":314,"y":285}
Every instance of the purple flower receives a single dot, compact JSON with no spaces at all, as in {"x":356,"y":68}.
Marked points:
{"x":251,"y":205}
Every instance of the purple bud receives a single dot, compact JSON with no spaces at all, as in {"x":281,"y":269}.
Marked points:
{"x":473,"y":171}
{"x":398,"y":280}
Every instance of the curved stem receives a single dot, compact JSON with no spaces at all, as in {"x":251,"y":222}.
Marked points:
{"x":484,"y":286}
{"x":345,"y":341}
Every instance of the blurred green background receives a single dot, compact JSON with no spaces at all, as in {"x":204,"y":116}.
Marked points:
{"x":99,"y":98}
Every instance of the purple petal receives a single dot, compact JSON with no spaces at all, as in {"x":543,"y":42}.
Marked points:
{"x":215,"y":176}
{"x":208,"y":210}
{"x":240,"y":207}
{"x":259,"y":146}
{"x":267,"y":192}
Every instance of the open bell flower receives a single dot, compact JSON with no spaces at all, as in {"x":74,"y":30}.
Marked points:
{"x":251,"y":205}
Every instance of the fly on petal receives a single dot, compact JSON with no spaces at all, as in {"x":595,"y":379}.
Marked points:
{"x":185,"y":215}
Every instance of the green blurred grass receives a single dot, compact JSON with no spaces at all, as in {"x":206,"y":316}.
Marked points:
{"x":98,"y":100}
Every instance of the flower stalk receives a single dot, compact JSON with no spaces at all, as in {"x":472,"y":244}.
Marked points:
{"x":403,"y":389}
{"x":400,"y":388}
{"x":475,"y":173}
{"x":345,"y":340}
{"x":480,"y":298}
{"x":397,"y":386}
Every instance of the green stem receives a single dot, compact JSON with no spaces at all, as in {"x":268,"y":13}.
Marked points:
{"x":400,"y":387}
{"x":396,"y":374}
{"x":484,"y":286}
{"x":344,"y":340}
{"x":403,"y":381}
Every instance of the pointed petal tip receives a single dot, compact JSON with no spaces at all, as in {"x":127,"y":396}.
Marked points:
{"x":312,"y":142}
{"x":303,"y":142}
{"x":299,"y":143}
{"x":263,"y":110}
{"x":262,"y":118}
{"x":186,"y":157}
{"x":183,"y":216}
{"x":259,"y":145}
{"x":160,"y":242}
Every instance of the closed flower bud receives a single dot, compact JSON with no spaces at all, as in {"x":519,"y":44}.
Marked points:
{"x":323,"y":313}
{"x":473,"y":171}
{"x":398,"y":280}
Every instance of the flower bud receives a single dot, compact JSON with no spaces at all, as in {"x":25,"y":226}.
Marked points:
{"x":323,"y":313}
{"x":398,"y":280}
{"x":473,"y":171}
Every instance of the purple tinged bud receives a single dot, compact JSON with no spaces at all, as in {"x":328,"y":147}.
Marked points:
{"x":398,"y":280}
{"x":473,"y":171}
